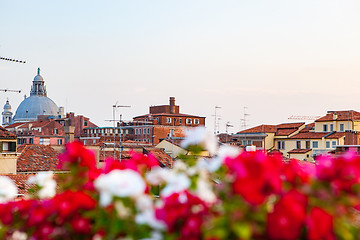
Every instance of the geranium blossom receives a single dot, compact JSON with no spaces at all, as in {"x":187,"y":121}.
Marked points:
{"x":46,"y":181}
{"x":120,"y":183}
{"x":8,"y":190}
{"x":200,"y":136}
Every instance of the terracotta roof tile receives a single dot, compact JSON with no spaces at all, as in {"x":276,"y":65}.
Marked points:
{"x":300,"y":150}
{"x":336,"y":135}
{"x":285,"y":131}
{"x":6,"y":134}
{"x":309,"y":135}
{"x":308,"y":127}
{"x":261,"y":129}
{"x":103,"y":155}
{"x":340,"y":116}
{"x":163,"y":158}
{"x":34,"y":158}
{"x":290,"y":125}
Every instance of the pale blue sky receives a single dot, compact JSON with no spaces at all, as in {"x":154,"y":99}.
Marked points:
{"x":278,"y":58}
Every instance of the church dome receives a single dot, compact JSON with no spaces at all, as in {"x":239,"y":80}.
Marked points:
{"x":33,"y":106}
{"x":37,"y":104}
{"x":7,"y":106}
{"x":38,"y":78}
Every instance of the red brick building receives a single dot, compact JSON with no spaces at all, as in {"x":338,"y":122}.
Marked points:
{"x":44,"y":132}
{"x":164,"y":121}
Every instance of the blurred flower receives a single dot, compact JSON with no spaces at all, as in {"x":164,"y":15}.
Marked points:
{"x":175,"y":183}
{"x":288,"y":216}
{"x":320,"y":224}
{"x":213,"y":164}
{"x":257,"y":175}
{"x":199,"y":136}
{"x":8,"y":190}
{"x":203,"y":190}
{"x":46,"y":181}
{"x":120,"y":183}
{"x":158,"y":175}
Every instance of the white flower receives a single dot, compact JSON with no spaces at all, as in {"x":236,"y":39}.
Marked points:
{"x":158,"y":175}
{"x":204,"y":190}
{"x":215,"y":163}
{"x":146,"y":213}
{"x":199,"y":136}
{"x":154,"y":236}
{"x":148,"y":217}
{"x":46,"y":181}
{"x":176,"y":183}
{"x":8,"y":190}
{"x":120,"y":183}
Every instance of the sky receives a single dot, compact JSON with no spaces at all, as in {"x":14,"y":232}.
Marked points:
{"x":272,"y":58}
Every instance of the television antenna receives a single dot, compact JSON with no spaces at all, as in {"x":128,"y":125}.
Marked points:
{"x":12,"y":60}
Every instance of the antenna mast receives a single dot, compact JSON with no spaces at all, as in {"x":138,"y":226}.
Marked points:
{"x":216,"y":121}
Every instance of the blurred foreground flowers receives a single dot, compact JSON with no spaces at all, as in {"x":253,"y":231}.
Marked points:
{"x":232,"y":195}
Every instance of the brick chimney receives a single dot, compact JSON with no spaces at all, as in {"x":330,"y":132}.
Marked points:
{"x":172,"y":105}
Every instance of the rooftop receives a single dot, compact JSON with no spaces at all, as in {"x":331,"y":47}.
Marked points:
{"x":35,"y":158}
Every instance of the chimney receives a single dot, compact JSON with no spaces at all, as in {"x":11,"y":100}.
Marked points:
{"x":172,"y":105}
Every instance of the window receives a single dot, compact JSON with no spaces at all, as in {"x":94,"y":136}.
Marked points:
{"x":168,"y":120}
{"x":144,"y":131}
{"x":315,"y":144}
{"x":180,"y":120}
{"x":188,"y":121}
{"x":327,"y":144}
{"x":31,"y":141}
{"x":59,"y":142}
{"x":136,"y":132}
{"x":249,"y":142}
{"x":298,"y":144}
{"x":325,"y":128}
{"x":307,"y":144}
{"x":24,"y":140}
{"x":196,"y":121}
{"x":139,"y":131}
{"x":333,"y":144}
{"x":281,"y":145}
{"x":341,"y":127}
{"x":148,"y":131}
{"x":85,"y":123}
{"x":5,"y":146}
{"x":331,"y":127}
{"x":44,"y":141}
{"x":56,"y":131}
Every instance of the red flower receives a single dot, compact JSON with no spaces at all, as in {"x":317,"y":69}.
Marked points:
{"x":68,"y":203}
{"x":6,"y":216}
{"x":76,"y":153}
{"x":80,"y":225}
{"x":183,"y":212}
{"x":256,"y":175}
{"x":288,"y":217}
{"x":296,"y":173}
{"x":320,"y":225}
